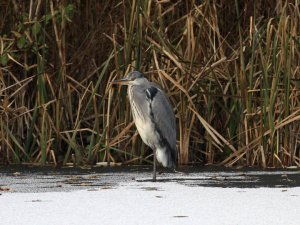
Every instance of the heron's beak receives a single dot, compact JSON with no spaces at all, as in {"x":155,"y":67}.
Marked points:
{"x":123,"y":81}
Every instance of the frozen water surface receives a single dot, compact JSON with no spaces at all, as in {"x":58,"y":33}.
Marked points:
{"x":127,"y":196}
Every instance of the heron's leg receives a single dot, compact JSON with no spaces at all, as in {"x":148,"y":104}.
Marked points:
{"x":154,"y":165}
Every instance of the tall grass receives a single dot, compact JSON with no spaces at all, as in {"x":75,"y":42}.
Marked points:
{"x":230,"y":68}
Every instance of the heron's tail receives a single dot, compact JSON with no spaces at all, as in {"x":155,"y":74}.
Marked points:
{"x":166,"y":157}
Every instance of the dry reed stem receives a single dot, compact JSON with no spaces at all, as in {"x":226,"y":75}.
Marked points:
{"x":230,"y":69}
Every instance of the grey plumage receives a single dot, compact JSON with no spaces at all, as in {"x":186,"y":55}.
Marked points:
{"x":153,"y":117}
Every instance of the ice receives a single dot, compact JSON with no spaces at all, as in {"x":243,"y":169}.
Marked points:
{"x":153,"y":203}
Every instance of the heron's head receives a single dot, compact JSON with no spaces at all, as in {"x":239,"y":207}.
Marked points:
{"x":131,"y":78}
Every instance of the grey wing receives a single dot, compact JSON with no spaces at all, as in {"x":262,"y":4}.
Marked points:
{"x":164,"y":119}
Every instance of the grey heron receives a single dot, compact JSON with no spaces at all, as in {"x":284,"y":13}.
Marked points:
{"x":154,"y":118}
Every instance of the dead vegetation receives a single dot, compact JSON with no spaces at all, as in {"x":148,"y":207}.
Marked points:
{"x":231,"y":69}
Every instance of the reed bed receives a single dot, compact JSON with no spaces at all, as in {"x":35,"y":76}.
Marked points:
{"x":231,"y":69}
